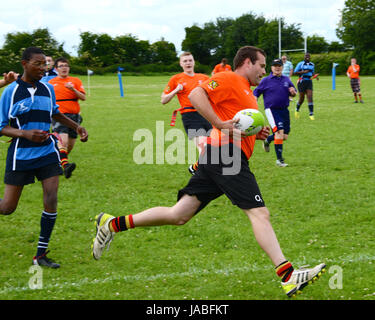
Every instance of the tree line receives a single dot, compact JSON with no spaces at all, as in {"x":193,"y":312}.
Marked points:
{"x":208,"y":43}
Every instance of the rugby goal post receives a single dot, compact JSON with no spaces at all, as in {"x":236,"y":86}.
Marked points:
{"x":289,"y":50}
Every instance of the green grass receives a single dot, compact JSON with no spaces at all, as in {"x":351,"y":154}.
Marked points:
{"x":322,"y":208}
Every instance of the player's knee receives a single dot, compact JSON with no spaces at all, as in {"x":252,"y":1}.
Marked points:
{"x":180,"y":219}
{"x":7,"y":209}
{"x":50,"y":200}
{"x":261,"y":213}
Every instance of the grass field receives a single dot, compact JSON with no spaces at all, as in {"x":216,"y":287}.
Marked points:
{"x":322,"y":208}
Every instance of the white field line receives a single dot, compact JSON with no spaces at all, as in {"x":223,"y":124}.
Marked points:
{"x":191,"y":272}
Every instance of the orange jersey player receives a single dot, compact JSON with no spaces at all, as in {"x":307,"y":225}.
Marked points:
{"x":221,"y":67}
{"x":68,"y":91}
{"x":229,"y":93}
{"x":196,"y":127}
{"x":353,"y":74}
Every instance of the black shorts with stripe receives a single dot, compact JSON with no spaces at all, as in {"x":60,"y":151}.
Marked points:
{"x":60,"y":128}
{"x":305,"y":84}
{"x":195,"y":125}
{"x":21,"y":178}
{"x":224,"y":170}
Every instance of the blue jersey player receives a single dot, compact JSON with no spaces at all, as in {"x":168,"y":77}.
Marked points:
{"x":276,"y":89}
{"x":27,"y":107}
{"x":306,"y":71}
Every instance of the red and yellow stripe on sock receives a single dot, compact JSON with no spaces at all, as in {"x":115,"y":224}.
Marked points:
{"x":122,"y":223}
{"x":63,"y":157}
{"x":284,"y":270}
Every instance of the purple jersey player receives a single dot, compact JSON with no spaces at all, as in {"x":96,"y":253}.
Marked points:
{"x":276,"y":90}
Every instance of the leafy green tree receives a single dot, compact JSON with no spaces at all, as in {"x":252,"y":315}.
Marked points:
{"x":15,"y":43}
{"x":317,"y":44}
{"x":196,"y":42}
{"x":243,"y":31}
{"x":356,"y":30}
{"x":163,"y":52}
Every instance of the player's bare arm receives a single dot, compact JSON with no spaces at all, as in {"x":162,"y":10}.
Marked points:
{"x":60,"y":117}
{"x":34,"y":135}
{"x":199,"y":99}
{"x":166,"y":97}
{"x":80,"y":95}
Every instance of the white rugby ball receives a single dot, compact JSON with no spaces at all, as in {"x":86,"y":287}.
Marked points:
{"x":250,"y":121}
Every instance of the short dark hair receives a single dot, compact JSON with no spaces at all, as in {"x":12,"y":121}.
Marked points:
{"x":247,"y":52}
{"x":30,"y":51}
{"x":224,"y":60}
{"x":61,"y":59}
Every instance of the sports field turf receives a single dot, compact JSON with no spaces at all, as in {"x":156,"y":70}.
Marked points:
{"x":322,"y":208}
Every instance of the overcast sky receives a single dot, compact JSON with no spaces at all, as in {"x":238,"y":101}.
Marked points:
{"x":153,"y":19}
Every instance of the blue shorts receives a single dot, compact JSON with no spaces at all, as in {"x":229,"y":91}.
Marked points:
{"x":279,"y":119}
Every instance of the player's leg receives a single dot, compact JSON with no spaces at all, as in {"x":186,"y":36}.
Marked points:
{"x":66,"y":144}
{"x":197,"y":129}
{"x":292,"y":280}
{"x":50,"y":186}
{"x":10,"y":199}
{"x":279,"y":142}
{"x":200,"y":142}
{"x":301,"y":99}
{"x":309,"y":94}
{"x":107,"y":225}
{"x":71,"y":143}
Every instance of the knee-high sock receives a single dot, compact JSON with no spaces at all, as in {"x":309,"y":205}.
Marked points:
{"x":47,"y":222}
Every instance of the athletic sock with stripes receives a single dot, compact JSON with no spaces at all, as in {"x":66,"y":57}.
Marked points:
{"x":122,"y":223}
{"x":279,"y":148}
{"x":284,"y":270}
{"x":47,"y":222}
{"x":63,"y":157}
{"x":311,"y":108}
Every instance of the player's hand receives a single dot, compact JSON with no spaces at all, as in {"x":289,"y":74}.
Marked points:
{"x":179,"y":87}
{"x":292,"y":92}
{"x":69,"y":85}
{"x":228,"y":128}
{"x":263,"y":134}
{"x":35,"y":135}
{"x":82,"y":133}
{"x":10,"y":77}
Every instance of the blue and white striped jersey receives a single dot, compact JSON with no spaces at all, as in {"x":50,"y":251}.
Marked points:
{"x":301,"y":66}
{"x":24,"y":107}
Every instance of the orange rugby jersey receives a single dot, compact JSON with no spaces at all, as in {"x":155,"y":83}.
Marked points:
{"x":66,"y":99}
{"x":220,"y":68}
{"x":352,"y":74}
{"x":189,"y":83}
{"x":229,"y":93}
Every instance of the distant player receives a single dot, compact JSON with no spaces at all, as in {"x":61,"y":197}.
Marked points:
{"x":196,"y":127}
{"x":305,"y":70}
{"x":221,"y":67}
{"x":276,"y":90}
{"x":287,"y":67}
{"x":69,"y":90}
{"x":353,"y":74}
{"x":51,"y":71}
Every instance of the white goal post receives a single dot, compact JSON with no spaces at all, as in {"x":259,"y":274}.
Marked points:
{"x":289,"y":50}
